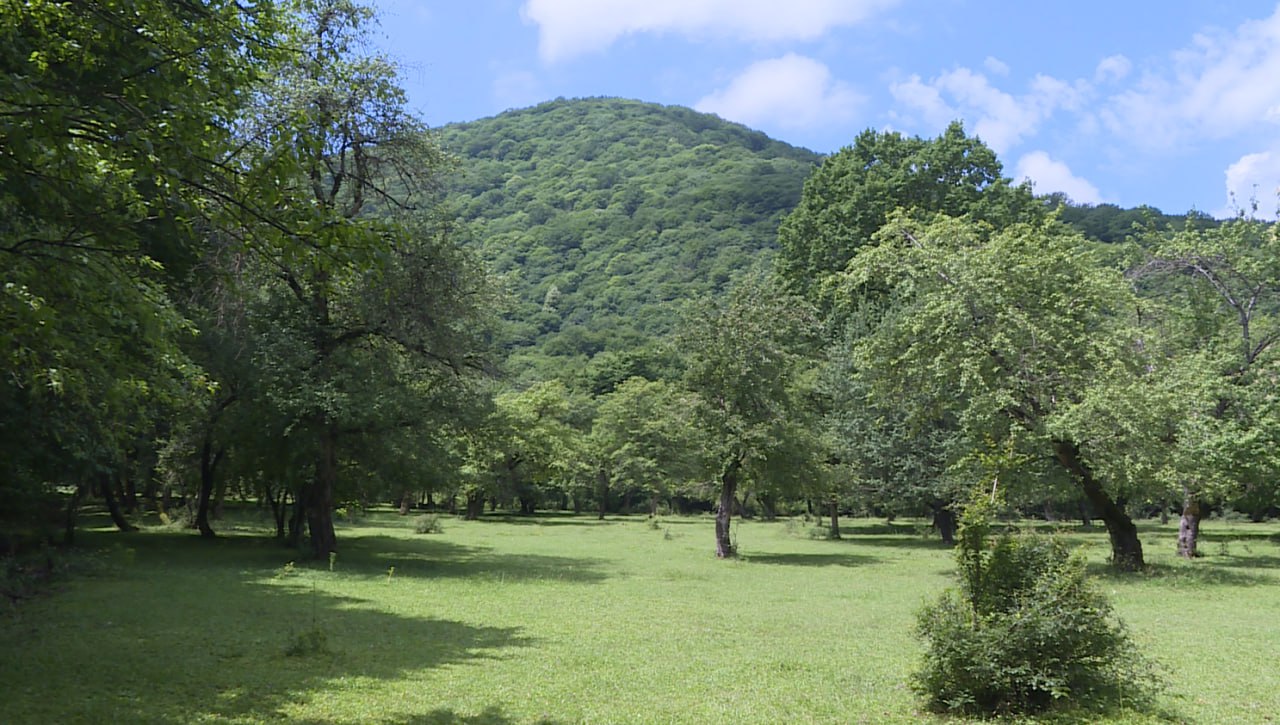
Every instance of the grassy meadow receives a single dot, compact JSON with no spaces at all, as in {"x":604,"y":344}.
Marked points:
{"x":561,"y":619}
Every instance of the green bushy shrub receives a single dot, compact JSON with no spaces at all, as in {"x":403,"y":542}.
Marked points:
{"x":427,"y":524}
{"x":1024,"y":631}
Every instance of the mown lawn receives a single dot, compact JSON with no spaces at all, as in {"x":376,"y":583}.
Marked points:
{"x":557,"y":619}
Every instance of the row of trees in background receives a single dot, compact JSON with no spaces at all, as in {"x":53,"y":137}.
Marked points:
{"x":230,"y":266}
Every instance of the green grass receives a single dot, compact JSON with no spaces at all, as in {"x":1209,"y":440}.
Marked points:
{"x":565,"y":620}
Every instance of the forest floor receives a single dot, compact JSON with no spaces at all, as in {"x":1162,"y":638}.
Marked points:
{"x":562,"y":619}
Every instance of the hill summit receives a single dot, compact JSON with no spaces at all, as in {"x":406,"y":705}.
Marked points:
{"x":604,"y":215}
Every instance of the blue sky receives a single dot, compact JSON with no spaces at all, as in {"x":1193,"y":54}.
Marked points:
{"x":1175,"y":104}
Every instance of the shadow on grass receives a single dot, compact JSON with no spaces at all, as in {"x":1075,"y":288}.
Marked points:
{"x":912,"y":541}
{"x":429,"y":558}
{"x":1199,"y":573}
{"x":550,"y":519}
{"x":489,"y":716}
{"x":846,"y":560}
{"x":186,"y":630}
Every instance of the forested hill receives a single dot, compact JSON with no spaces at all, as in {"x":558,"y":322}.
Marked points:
{"x":604,"y":215}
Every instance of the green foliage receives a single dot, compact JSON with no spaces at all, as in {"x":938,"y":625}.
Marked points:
{"x":1025,"y":631}
{"x":855,"y":192}
{"x":602,"y":214}
{"x":426,"y":524}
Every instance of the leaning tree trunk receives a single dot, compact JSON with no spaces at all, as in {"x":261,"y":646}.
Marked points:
{"x":1126,"y":548}
{"x":1189,"y":526}
{"x":724,"y":514}
{"x":113,"y":506}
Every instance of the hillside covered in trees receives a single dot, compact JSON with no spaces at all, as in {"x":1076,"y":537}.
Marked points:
{"x":601,"y":213}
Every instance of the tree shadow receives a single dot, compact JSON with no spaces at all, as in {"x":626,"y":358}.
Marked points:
{"x":209,"y":634}
{"x":1197,"y":574}
{"x":912,"y":541}
{"x":491,"y":715}
{"x":428,"y":558}
{"x":820,"y":560}
{"x":549,"y":519}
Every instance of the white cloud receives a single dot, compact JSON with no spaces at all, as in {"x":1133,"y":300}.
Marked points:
{"x":1254,"y":178}
{"x":1049,"y":175}
{"x":1223,"y":84}
{"x":567,"y":28}
{"x":791,"y":92}
{"x":996,"y":66}
{"x":1000,"y":119}
{"x":1112,"y":68}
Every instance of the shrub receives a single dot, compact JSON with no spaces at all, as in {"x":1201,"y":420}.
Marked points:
{"x":1025,"y":630}
{"x":427,"y":524}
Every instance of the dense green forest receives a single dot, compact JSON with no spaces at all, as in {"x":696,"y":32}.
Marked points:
{"x":250,"y":272}
{"x":602,"y":216}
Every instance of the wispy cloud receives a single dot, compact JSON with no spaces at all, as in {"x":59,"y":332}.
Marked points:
{"x":791,"y":92}
{"x":1048,"y":175}
{"x":567,"y":28}
{"x":1001,"y":119}
{"x":1224,"y":83}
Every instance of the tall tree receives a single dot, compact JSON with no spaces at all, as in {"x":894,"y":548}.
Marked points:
{"x":743,"y":356}
{"x":1009,"y":331}
{"x":1215,"y":321}
{"x":114,"y":117}
{"x":371,"y":309}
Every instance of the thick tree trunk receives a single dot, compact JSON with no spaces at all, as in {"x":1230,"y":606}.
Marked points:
{"x":728,"y":487}
{"x":834,"y":531}
{"x":1126,"y":548}
{"x":475,"y":506}
{"x":406,"y":502}
{"x":113,"y":506}
{"x":944,"y":520}
{"x":319,"y":505}
{"x":1189,"y":526}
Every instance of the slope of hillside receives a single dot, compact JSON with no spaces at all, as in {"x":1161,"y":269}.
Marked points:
{"x":604,"y":215}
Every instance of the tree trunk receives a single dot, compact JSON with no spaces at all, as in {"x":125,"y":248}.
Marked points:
{"x":602,"y":492}
{"x":944,"y":520}
{"x":293,"y":538}
{"x":406,"y":502}
{"x":728,"y":486}
{"x":208,"y":464}
{"x":1189,"y":526}
{"x":319,"y":499}
{"x":113,"y":506}
{"x":73,"y":508}
{"x":1126,"y":548}
{"x":834,"y":531}
{"x":475,"y":506}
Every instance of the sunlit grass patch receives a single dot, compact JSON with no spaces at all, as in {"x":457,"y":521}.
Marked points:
{"x":567,"y":619}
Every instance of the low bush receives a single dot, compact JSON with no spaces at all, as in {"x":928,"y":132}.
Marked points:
{"x":1024,"y":631}
{"x":427,"y":524}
